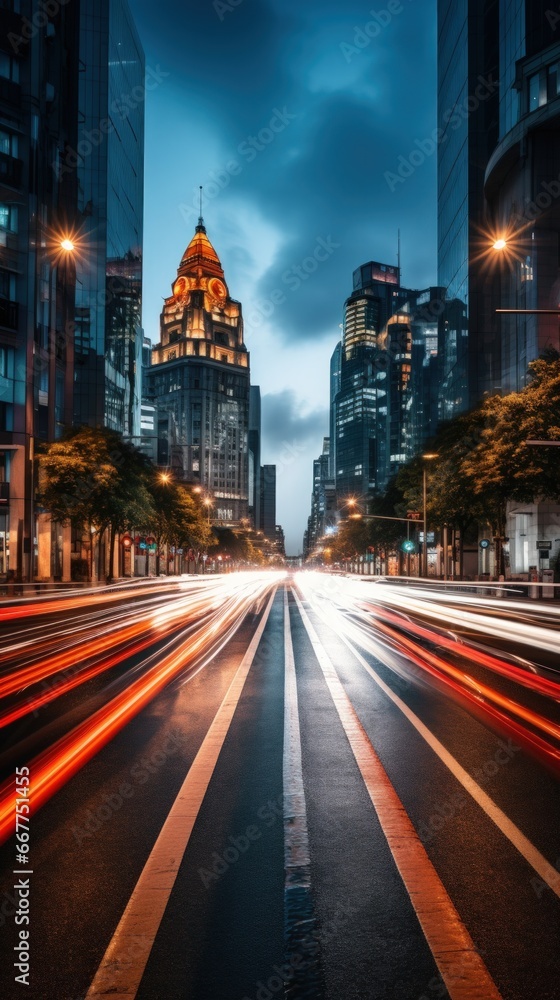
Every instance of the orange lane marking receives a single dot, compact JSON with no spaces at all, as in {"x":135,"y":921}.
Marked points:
{"x":462,"y":969}
{"x":125,"y":960}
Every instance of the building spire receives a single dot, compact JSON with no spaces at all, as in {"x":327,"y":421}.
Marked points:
{"x":200,"y":228}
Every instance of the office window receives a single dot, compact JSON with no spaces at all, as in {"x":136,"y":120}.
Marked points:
{"x":9,"y":67}
{"x":8,"y":143}
{"x":537,"y":94}
{"x":8,"y":217}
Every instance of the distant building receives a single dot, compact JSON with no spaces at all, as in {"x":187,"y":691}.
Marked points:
{"x":372,"y":409}
{"x":268,"y":502}
{"x":255,"y":455}
{"x":335,"y":372}
{"x":280,"y":541}
{"x":323,"y":517}
{"x":199,"y":381}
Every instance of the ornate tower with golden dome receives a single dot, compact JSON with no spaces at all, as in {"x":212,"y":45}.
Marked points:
{"x":199,"y":379}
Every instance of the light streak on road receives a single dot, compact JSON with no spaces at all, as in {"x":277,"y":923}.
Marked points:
{"x":359,"y":612}
{"x":53,"y":767}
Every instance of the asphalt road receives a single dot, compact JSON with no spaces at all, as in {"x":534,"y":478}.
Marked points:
{"x":310,"y":809}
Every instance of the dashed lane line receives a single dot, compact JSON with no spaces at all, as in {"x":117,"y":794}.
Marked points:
{"x":125,"y":960}
{"x":462,"y":969}
{"x":301,"y":944}
{"x":546,"y":872}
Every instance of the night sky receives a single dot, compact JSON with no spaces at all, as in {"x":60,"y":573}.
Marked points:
{"x":291,"y":115}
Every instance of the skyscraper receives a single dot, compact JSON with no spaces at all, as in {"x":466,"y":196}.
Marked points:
{"x":200,"y":380}
{"x":468,"y":119}
{"x":39,"y":116}
{"x":71,"y":196}
{"x":374,"y":375}
{"x":255,"y":455}
{"x":110,"y":176}
{"x":522,"y":185}
{"x":268,"y":502}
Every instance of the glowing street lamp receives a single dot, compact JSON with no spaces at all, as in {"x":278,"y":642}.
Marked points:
{"x":67,"y":245}
{"x":500,"y":244}
{"x":208,"y":504}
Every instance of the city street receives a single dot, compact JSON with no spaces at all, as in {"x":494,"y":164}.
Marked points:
{"x":263,"y":785}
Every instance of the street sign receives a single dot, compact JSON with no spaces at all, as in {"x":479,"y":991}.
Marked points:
{"x":484,"y":543}
{"x":544,"y":545}
{"x":414,"y":515}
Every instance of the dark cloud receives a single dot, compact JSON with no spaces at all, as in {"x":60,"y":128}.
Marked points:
{"x":284,"y":427}
{"x":355,"y":113}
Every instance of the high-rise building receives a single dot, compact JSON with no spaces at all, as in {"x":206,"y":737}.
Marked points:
{"x":268,"y":502}
{"x":468,"y":106}
{"x":522,"y":185}
{"x":498,"y":207}
{"x":71,"y":195}
{"x":255,"y":455}
{"x":323,"y":517}
{"x":110,"y":177}
{"x":38,"y":117}
{"x":373,"y":397}
{"x":199,"y":380}
{"x":335,"y":371}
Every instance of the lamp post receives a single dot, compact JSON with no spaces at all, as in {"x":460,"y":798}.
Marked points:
{"x":427,"y":457}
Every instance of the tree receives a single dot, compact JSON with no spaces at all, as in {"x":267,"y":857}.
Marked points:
{"x":95,"y":481}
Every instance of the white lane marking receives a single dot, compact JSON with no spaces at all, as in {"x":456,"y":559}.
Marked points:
{"x":125,"y":960}
{"x":462,"y":969}
{"x":528,"y":851}
{"x":296,"y":836}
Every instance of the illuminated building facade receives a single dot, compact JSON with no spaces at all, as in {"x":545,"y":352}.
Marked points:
{"x":374,"y":379}
{"x":38,"y":117}
{"x":200,"y":378}
{"x":71,"y":196}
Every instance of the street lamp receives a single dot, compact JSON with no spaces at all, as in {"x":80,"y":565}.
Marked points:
{"x":208,"y":504}
{"x":429,"y":456}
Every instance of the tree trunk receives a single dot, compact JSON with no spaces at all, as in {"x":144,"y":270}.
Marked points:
{"x":112,"y":536}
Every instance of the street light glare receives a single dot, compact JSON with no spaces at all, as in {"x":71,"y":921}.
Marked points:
{"x":68,"y":245}
{"x":500,"y":244}
{"x":431,"y":454}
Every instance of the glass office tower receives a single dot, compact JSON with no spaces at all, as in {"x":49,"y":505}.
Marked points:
{"x":469,"y":354}
{"x":108,"y":338}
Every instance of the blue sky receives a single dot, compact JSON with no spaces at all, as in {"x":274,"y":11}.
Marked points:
{"x":295,"y":118}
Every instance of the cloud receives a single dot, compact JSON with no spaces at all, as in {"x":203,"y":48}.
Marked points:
{"x":284,"y":424}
